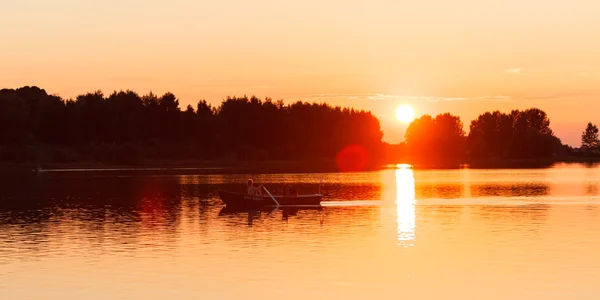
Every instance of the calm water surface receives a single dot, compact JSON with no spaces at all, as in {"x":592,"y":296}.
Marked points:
{"x":396,"y":233}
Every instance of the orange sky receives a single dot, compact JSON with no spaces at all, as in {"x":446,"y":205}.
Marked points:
{"x":463,"y":56}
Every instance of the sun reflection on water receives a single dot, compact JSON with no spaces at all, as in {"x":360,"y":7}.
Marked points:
{"x":405,"y":205}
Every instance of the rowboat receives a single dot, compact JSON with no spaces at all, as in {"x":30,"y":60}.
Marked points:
{"x":233,"y":199}
{"x":286,"y":210}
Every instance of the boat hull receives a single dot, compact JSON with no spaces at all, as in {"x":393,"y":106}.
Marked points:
{"x":233,"y":199}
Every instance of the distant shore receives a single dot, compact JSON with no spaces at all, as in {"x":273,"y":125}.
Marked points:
{"x":196,"y":166}
{"x":505,"y":163}
{"x":126,"y":130}
{"x":273,"y":166}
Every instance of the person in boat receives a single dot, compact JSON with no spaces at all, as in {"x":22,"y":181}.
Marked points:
{"x":254,"y":190}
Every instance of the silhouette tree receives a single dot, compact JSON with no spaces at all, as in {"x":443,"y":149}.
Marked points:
{"x":532,"y":136}
{"x":14,"y":118}
{"x":418,"y":138}
{"x":436,"y":140}
{"x":127,"y":128}
{"x":189,"y":123}
{"x":490,"y":135}
{"x":205,"y":131}
{"x":589,"y":138}
{"x":89,"y":118}
{"x":125,"y":119}
{"x":47,"y":114}
{"x":520,"y":134}
{"x":450,"y":135}
{"x":169,"y":117}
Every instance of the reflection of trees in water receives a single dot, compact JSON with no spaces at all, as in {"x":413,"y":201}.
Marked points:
{"x":510,"y":189}
{"x":28,"y":229}
{"x":345,"y":191}
{"x":61,"y":210}
{"x":335,"y":220}
{"x":591,"y":189}
{"x":234,"y":215}
{"x":100,"y":211}
{"x":440,"y":190}
{"x":531,"y":213}
{"x":445,"y":214}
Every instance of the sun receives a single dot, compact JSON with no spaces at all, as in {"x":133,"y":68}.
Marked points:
{"x":405,"y":113}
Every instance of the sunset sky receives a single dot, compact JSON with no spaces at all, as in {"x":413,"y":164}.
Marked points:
{"x":462,"y":56}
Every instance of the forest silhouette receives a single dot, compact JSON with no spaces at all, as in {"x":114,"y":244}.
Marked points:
{"x":125,"y":128}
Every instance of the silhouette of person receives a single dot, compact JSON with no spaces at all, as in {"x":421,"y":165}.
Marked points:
{"x":253,"y":190}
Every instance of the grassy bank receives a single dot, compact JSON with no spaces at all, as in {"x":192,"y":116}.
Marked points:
{"x":186,"y":166}
{"x":223,"y":165}
{"x":499,"y":163}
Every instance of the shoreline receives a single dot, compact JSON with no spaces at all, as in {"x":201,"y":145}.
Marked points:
{"x":279,"y":166}
{"x":226,"y":166}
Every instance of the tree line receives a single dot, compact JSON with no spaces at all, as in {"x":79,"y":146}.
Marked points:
{"x":127,"y":128}
{"x":518,"y":135}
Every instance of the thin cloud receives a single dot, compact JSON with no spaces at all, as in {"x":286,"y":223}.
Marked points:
{"x":543,"y":97}
{"x":558,"y":96}
{"x":589,"y":74}
{"x":216,"y":86}
{"x":383,"y":97}
{"x":514,"y":71}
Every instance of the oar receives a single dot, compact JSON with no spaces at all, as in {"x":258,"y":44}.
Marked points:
{"x":270,"y":214}
{"x":271,"y":195}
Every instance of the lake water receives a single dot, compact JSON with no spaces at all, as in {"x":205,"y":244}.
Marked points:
{"x":393,"y":234}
